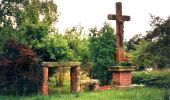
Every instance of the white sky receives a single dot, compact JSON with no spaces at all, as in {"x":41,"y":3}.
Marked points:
{"x":90,"y":13}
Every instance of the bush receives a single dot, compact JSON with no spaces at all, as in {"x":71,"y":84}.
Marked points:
{"x":20,"y":72}
{"x":154,"y":78}
{"x":53,"y":47}
{"x":102,"y":50}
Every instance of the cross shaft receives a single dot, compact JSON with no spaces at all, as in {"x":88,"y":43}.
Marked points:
{"x":120,"y":19}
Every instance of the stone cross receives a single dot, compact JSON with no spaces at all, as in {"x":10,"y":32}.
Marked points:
{"x":120,"y":19}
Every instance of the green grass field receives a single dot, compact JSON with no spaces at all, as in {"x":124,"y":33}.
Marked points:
{"x":137,"y":93}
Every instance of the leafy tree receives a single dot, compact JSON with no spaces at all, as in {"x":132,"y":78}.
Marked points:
{"x":155,"y":49}
{"x":26,"y":20}
{"x":102,"y":49}
{"x":141,"y":56}
{"x":19,"y":12}
{"x":54,"y":48}
{"x":130,"y":45}
{"x":78,"y":43}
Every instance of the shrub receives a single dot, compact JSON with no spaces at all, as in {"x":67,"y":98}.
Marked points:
{"x":20,"y":72}
{"x":102,"y":50}
{"x":154,"y":78}
{"x":124,"y":63}
{"x":53,"y":47}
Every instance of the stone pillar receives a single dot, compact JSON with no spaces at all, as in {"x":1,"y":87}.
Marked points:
{"x":44,"y":88}
{"x":75,"y":79}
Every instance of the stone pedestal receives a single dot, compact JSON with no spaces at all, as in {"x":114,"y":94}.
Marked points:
{"x":121,"y":75}
{"x":75,"y":79}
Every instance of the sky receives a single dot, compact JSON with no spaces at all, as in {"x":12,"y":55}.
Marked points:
{"x":91,"y":13}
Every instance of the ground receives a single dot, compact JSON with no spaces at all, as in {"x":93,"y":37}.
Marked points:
{"x":138,"y":93}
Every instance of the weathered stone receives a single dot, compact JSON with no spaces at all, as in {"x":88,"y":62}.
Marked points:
{"x":119,"y":30}
{"x":44,"y":88}
{"x":92,"y":83}
{"x":75,"y":79}
{"x":74,"y":75}
{"x":61,"y":64}
{"x":121,"y":75}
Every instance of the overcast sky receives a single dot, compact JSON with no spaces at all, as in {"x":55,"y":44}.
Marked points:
{"x":90,"y":13}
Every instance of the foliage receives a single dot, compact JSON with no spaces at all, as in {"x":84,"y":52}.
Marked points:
{"x":135,"y":40}
{"x":28,"y":21}
{"x":19,"y":69}
{"x":18,"y":12}
{"x":141,"y":56}
{"x":5,"y":33}
{"x":152,"y":78}
{"x":78,"y":43}
{"x":154,"y":50}
{"x":54,"y":47}
{"x":33,"y":34}
{"x":102,"y":49}
{"x":124,"y":63}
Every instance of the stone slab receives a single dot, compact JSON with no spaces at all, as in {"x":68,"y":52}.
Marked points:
{"x":60,"y":64}
{"x":121,"y":68}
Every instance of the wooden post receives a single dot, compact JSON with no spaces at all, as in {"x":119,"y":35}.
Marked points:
{"x":75,"y":79}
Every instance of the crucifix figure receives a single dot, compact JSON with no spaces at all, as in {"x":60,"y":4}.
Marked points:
{"x":120,"y":19}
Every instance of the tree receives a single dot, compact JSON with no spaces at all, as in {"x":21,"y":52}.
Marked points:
{"x":135,"y":40}
{"x":28,"y":21}
{"x":155,"y":49}
{"x":19,"y":12}
{"x":78,"y":43}
{"x":54,"y":47}
{"x":102,"y":49}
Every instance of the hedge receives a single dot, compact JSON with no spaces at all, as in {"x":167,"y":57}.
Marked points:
{"x":159,"y":78}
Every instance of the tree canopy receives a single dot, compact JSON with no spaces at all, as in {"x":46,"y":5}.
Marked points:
{"x":15,"y":13}
{"x":154,"y":49}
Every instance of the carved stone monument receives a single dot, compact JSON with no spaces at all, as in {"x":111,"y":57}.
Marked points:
{"x":120,"y":19}
{"x":121,"y":75}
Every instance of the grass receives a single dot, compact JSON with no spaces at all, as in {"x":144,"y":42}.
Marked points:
{"x":138,"y":93}
{"x":63,"y":93}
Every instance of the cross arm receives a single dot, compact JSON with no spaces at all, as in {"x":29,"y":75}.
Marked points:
{"x":111,"y":17}
{"x":115,"y":17}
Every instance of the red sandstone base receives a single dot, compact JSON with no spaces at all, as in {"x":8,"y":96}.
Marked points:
{"x":121,"y":76}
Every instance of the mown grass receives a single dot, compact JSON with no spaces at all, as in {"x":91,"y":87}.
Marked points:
{"x":137,"y":93}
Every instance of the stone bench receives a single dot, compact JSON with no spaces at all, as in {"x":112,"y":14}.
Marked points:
{"x":92,"y":83}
